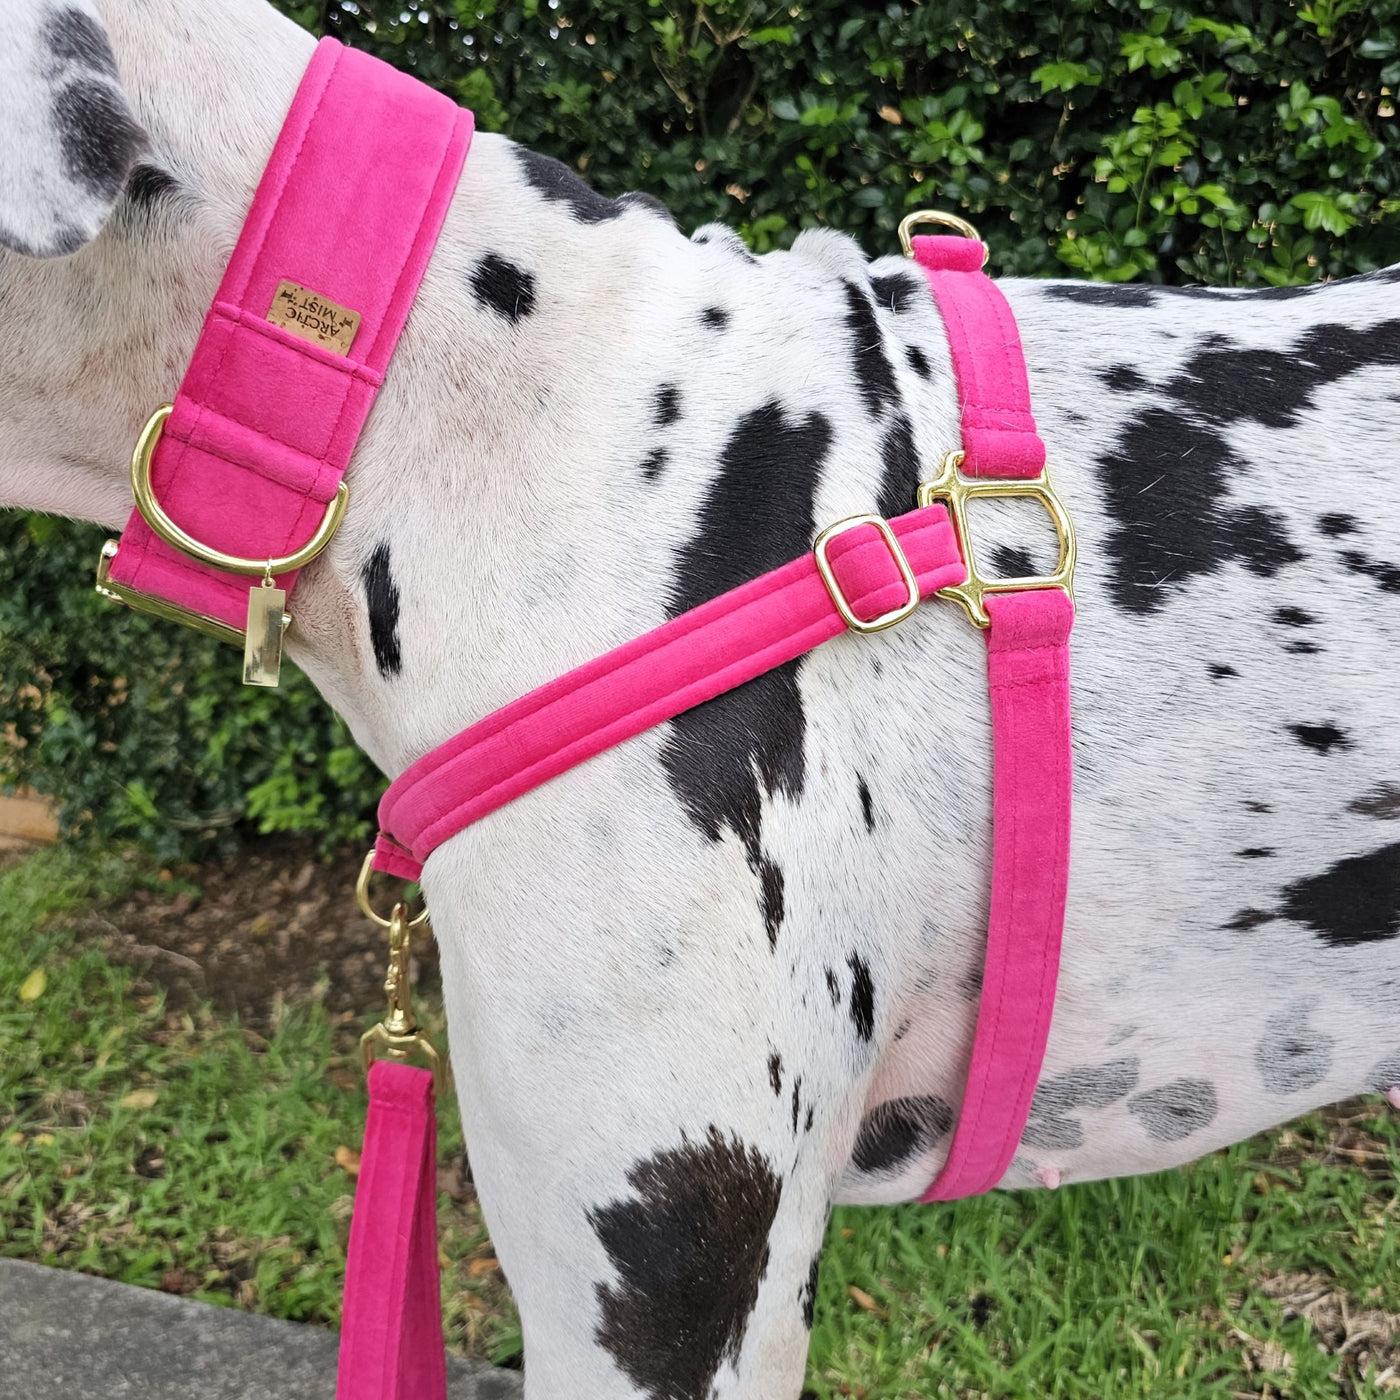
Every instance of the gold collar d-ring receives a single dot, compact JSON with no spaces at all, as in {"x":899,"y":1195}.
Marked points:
{"x":154,"y":515}
{"x":910,"y":222}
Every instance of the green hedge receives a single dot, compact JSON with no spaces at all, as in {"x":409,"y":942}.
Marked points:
{"x":1239,"y":143}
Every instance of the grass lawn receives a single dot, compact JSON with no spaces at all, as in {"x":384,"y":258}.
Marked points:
{"x":174,"y":1148}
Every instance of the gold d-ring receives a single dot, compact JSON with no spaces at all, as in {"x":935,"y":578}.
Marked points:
{"x":910,"y":222}
{"x":154,"y":515}
{"x":367,"y":909}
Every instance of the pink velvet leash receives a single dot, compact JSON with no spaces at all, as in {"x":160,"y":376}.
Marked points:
{"x":1028,"y":673}
{"x":391,"y":1345}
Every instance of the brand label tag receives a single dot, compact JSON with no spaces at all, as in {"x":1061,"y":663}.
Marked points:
{"x":313,"y":317}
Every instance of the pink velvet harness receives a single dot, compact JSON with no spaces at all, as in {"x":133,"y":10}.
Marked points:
{"x":260,"y":435}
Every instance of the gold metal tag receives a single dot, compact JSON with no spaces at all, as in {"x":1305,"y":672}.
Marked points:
{"x":313,"y":317}
{"x":262,"y":642}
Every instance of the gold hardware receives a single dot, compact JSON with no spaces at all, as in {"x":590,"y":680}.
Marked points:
{"x":155,"y":516}
{"x":952,"y":486}
{"x":398,"y":1036}
{"x":362,"y":896}
{"x":262,"y":639}
{"x":158,"y":607}
{"x":906,"y":572}
{"x":910,"y":222}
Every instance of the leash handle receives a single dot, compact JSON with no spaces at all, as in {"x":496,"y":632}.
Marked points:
{"x":391,"y":1344}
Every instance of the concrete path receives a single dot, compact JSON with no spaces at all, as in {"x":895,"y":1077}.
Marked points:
{"x":65,"y":1336}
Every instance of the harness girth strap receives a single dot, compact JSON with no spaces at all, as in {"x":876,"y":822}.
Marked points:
{"x":1028,"y":676}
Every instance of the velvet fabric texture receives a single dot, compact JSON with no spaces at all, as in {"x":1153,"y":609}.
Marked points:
{"x":349,"y":207}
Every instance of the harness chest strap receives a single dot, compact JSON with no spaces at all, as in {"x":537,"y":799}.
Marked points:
{"x":865,"y":574}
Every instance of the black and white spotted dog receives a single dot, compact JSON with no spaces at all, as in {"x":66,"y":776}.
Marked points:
{"x":724,"y":975}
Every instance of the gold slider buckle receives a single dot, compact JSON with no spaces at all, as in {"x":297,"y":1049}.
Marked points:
{"x":267,"y":621}
{"x":398,"y":1036}
{"x":906,"y":572}
{"x":952,"y":487}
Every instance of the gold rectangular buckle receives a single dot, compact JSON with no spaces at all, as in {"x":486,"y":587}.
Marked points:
{"x":952,"y":487}
{"x":172,"y":612}
{"x":828,"y":577}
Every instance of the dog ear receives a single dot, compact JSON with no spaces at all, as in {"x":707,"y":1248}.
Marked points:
{"x":68,"y":138}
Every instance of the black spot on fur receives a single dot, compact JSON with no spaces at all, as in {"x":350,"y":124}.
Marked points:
{"x":808,"y":1293}
{"x":1292,"y":1056}
{"x":918,"y":361}
{"x":147,"y":185}
{"x":796,"y":1103}
{"x":770,"y":896}
{"x":1050,"y":1126}
{"x":775,"y":1072}
{"x":899,"y":469}
{"x":715,"y":317}
{"x":1256,"y":853}
{"x":99,"y":140}
{"x":690,"y":1250}
{"x":655,"y":463}
{"x":382,"y":596}
{"x":1384,"y":1074}
{"x":722,"y":756}
{"x":1302,"y":648}
{"x":1116,"y":294}
{"x":1294,"y":617}
{"x":74,"y":37}
{"x":503,"y":287}
{"x":874,"y":372}
{"x":1224,"y":382}
{"x":898,"y":1130}
{"x":862,"y":997}
{"x":1382,"y":803}
{"x":558,"y":184}
{"x":898,"y":292}
{"x":1166,"y":485}
{"x":833,"y":986}
{"x":1259,"y":808}
{"x":811,"y":1117}
{"x":1335,"y":524}
{"x":666,"y":405}
{"x":1220,"y":671}
{"x":1248,"y":919}
{"x":1010,"y":561}
{"x":1321,"y":737}
{"x":1387,"y":576}
{"x":1123,"y":379}
{"x":1355,"y":901}
{"x":1176,"y":1110}
{"x":867,"y":806}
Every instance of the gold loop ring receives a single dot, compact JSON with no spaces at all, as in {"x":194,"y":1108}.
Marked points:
{"x":366,"y":908}
{"x":910,"y":222}
{"x":154,"y":515}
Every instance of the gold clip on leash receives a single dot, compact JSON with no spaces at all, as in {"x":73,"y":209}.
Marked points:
{"x":398,"y":1036}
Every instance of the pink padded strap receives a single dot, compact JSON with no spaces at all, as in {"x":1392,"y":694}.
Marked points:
{"x":1028,"y":672}
{"x":704,"y":652}
{"x":998,"y":431}
{"x":263,"y":426}
{"x":391,"y":1328}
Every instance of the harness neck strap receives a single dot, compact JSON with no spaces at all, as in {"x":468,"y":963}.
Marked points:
{"x":249,"y":462}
